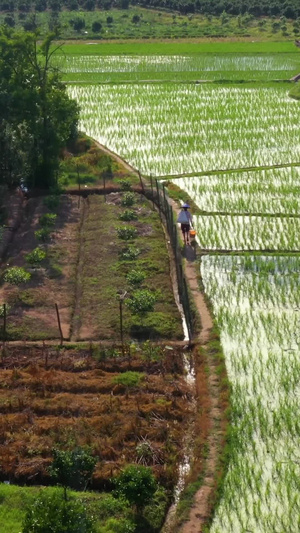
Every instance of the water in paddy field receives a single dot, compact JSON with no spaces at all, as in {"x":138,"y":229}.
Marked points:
{"x":256,"y":302}
{"x":174,"y":128}
{"x":171,"y":129}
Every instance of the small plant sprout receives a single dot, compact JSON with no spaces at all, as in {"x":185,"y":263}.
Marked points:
{"x":128,"y":199}
{"x":128,"y":215}
{"x":126,"y":233}
{"x":129,"y":253}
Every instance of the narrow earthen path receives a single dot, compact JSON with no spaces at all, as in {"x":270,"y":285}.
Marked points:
{"x":201,"y":509}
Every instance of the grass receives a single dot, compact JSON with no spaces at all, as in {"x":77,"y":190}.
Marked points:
{"x":104,"y":271}
{"x":15,"y":500}
{"x":155,"y":24}
{"x":181,"y":48}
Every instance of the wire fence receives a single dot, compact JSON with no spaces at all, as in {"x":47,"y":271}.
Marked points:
{"x":157,"y":193}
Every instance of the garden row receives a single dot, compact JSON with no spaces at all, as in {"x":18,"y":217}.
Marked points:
{"x":92,"y":250}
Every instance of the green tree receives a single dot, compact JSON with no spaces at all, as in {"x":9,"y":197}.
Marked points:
{"x":52,"y":514}
{"x":35,"y":110}
{"x":72,"y":468}
{"x":137,"y":485}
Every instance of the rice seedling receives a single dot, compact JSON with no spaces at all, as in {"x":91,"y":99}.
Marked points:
{"x":95,"y":69}
{"x":170,"y":129}
{"x":259,"y":334}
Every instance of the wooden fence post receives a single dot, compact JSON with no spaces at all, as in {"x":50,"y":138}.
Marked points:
{"x":4,"y":323}
{"x":141,"y":181}
{"x":59,"y":325}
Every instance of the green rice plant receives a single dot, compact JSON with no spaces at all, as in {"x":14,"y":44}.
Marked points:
{"x":16,"y":275}
{"x":205,"y":126}
{"x":126,"y":233}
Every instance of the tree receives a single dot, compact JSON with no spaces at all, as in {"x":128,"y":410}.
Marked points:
{"x":78,"y":24}
{"x":136,"y":19}
{"x":72,"y":468}
{"x":137,"y":485}
{"x":35,"y":109}
{"x":96,"y":26}
{"x":52,"y":514}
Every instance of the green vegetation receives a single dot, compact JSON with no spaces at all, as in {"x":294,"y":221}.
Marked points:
{"x":72,"y":468}
{"x":36,"y":256}
{"x":137,"y":485}
{"x":52,"y":514}
{"x":184,"y":20}
{"x":16,"y":275}
{"x":37,"y":117}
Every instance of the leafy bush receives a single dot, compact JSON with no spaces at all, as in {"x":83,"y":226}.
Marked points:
{"x":50,"y":513}
{"x":16,"y":275}
{"x":118,"y":525}
{"x":72,"y":468}
{"x":137,"y":485}
{"x":141,"y":302}
{"x":128,"y":199}
{"x":130,"y":253}
{"x":52,"y":202}
{"x":36,"y":256}
{"x":135,"y":277}
{"x":42,"y":234}
{"x":129,"y":379}
{"x":47,"y":220}
{"x":126,"y":233}
{"x":127,"y":215}
{"x":109,"y":506}
{"x":125,"y":184}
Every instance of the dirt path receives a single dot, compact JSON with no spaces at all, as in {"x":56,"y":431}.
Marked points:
{"x":201,"y":509}
{"x":76,"y":317}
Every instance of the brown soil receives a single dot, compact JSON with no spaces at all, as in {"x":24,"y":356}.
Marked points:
{"x":211,"y":416}
{"x":51,"y":397}
{"x":31,"y":305}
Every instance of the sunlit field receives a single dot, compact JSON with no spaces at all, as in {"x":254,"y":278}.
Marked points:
{"x":256,"y":302}
{"x":176,"y":128}
{"x":273,"y":191}
{"x":96,"y":69}
{"x":166,"y":129}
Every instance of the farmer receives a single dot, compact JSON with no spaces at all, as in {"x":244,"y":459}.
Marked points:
{"x":185,"y":219}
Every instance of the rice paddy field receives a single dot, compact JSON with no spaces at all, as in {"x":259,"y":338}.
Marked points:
{"x":195,"y":134}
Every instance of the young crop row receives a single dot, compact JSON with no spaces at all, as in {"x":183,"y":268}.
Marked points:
{"x":171,"y":129}
{"x":229,"y":232}
{"x":206,"y":66}
{"x":262,"y":191}
{"x":256,"y":302}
